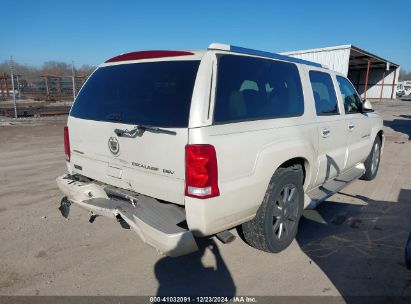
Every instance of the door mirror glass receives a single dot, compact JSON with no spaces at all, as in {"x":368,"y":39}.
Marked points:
{"x":366,"y":106}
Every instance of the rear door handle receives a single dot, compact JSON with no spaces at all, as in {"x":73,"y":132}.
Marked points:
{"x":350,"y":127}
{"x":326,"y":132}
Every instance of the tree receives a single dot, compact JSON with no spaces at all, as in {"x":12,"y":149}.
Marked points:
{"x":56,"y":68}
{"x":52,"y":68}
{"x":86,"y":69}
{"x":404,"y":75}
{"x":29,"y":73}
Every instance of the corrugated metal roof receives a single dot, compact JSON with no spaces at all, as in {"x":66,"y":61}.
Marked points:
{"x":334,"y":58}
{"x":340,"y":47}
{"x":378,"y":58}
{"x":317,"y":50}
{"x":242,"y":50}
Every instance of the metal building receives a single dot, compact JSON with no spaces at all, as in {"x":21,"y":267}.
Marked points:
{"x":373,"y":76}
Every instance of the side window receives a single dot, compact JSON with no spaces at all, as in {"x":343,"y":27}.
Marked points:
{"x":324,"y":93}
{"x":352,"y":102}
{"x":251,"y":88}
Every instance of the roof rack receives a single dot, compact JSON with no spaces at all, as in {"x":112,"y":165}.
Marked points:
{"x":241,"y":50}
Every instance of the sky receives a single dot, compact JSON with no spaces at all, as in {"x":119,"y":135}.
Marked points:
{"x":89,"y":32}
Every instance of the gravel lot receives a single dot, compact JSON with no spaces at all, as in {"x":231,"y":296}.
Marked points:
{"x":353,"y":244}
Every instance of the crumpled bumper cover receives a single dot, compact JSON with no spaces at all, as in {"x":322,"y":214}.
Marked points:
{"x":158,"y":224}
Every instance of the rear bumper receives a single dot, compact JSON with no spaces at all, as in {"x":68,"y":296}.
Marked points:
{"x":156,"y":223}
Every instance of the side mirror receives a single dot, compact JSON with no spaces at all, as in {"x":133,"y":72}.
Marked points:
{"x":366,"y":106}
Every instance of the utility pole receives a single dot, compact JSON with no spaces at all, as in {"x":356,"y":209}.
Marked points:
{"x":18,"y":86}
{"x":46,"y":81}
{"x":74,"y":80}
{"x":12,"y":86}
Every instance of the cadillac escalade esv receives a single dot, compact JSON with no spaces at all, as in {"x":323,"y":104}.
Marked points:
{"x":184,"y":144}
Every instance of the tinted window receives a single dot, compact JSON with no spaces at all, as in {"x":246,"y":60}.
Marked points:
{"x":155,"y":93}
{"x":251,"y":88}
{"x":324,"y":93}
{"x":352,"y":102}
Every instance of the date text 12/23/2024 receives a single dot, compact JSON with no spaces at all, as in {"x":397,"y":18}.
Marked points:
{"x":203,"y":299}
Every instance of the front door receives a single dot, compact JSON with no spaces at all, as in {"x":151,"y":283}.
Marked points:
{"x":332,"y":145}
{"x":358,"y":126}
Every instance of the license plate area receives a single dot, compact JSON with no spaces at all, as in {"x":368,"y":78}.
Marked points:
{"x":114,"y":171}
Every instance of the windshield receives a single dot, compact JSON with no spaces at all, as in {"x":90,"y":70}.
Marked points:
{"x":155,"y":94}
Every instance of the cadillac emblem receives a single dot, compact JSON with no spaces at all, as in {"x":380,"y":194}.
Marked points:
{"x":113,"y":145}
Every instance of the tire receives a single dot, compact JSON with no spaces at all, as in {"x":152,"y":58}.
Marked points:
{"x":372,"y":163}
{"x":276,"y":222}
{"x":408,"y":253}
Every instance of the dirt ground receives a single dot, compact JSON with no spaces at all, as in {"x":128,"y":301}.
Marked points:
{"x":352,"y":244}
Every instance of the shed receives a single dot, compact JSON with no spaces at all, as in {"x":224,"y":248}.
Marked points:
{"x":373,"y":77}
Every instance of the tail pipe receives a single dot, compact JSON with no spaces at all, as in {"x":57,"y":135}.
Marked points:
{"x":225,"y":236}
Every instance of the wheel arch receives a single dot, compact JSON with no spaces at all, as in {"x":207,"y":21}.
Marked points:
{"x":380,"y":134}
{"x":299,"y":160}
{"x":290,"y":153}
{"x":377,"y":132}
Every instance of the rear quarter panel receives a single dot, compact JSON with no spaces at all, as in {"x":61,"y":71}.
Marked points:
{"x":247,"y":159}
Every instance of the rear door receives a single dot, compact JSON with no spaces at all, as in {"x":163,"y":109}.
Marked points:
{"x":332,"y":144}
{"x":358,"y":125}
{"x":129,"y":126}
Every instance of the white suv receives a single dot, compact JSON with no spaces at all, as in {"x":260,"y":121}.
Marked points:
{"x":185,"y":144}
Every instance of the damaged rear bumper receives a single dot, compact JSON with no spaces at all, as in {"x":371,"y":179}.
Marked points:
{"x":156,"y":223}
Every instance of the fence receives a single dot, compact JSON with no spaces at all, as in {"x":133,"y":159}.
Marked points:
{"x":44,"y":87}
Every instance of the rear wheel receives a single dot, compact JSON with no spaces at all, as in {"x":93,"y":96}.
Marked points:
{"x":276,"y":222}
{"x":372,"y":163}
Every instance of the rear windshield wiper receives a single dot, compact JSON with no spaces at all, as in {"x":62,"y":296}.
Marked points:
{"x":140,"y":129}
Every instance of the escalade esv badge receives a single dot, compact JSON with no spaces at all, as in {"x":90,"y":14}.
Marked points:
{"x":113,"y":145}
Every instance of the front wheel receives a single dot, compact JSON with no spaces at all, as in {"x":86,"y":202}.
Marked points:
{"x":276,"y":222}
{"x":372,"y":163}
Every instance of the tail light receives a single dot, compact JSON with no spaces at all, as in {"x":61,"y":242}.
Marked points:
{"x":201,"y":171}
{"x":66,"y":143}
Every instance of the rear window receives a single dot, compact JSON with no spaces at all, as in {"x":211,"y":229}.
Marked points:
{"x":251,"y":88}
{"x":155,"y":94}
